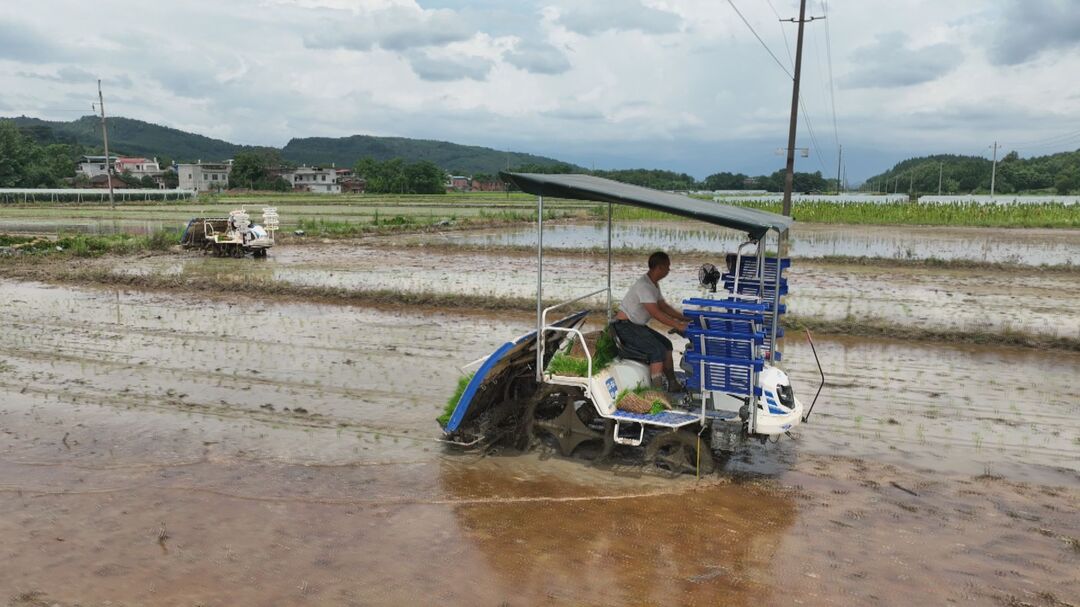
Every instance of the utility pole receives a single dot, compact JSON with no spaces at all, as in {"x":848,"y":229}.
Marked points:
{"x":789,"y":175}
{"x":839,"y":160}
{"x":993,"y":171}
{"x":940,"y":170}
{"x":911,"y":183}
{"x":105,"y":136}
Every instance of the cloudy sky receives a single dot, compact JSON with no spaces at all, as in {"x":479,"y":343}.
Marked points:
{"x":677,"y":84}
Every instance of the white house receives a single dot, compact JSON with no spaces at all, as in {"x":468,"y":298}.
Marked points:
{"x":92,"y":166}
{"x":204,"y":176}
{"x":313,"y":179}
{"x":139,"y":167}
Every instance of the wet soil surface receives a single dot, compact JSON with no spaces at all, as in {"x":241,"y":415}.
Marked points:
{"x":972,"y":299}
{"x":176,"y":451}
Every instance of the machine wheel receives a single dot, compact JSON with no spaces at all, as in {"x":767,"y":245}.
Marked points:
{"x":551,"y":413}
{"x":677,"y":451}
{"x":237,"y":251}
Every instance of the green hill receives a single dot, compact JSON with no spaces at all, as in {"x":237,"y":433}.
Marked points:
{"x":137,"y":138}
{"x":1055,"y":173}
{"x":458,"y":159}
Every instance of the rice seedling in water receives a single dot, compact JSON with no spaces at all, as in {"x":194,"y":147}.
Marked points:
{"x":451,"y":403}
{"x":1044,"y":215}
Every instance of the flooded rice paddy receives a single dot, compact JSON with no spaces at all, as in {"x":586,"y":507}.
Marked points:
{"x":173,"y":449}
{"x":995,"y":245}
{"x":948,"y":299}
{"x":135,"y":218}
{"x":1027,"y":246}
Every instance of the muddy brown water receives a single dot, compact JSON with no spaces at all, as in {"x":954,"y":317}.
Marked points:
{"x":943,"y":298}
{"x":171,"y":450}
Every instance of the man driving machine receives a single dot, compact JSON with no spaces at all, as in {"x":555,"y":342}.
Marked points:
{"x":643,"y":301}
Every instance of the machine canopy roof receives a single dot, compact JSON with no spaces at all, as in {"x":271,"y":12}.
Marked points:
{"x":586,"y":187}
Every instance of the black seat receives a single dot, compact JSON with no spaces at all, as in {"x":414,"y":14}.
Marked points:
{"x":619,"y":346}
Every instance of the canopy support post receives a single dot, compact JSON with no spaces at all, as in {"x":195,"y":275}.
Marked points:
{"x":609,"y":263}
{"x":776,"y":295}
{"x":540,"y":289}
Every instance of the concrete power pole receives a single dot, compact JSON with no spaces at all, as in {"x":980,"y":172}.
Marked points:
{"x":105,"y":136}
{"x":940,"y":170}
{"x":839,"y":160}
{"x":789,"y":174}
{"x":993,"y":171}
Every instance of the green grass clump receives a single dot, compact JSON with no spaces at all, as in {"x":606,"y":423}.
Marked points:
{"x":334,"y":228}
{"x":87,"y":245}
{"x":7,"y":240}
{"x":574,"y":366}
{"x":451,"y":403}
{"x":571,"y":366}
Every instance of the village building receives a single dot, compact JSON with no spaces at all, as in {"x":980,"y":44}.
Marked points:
{"x":312,"y":179}
{"x":350,"y":182}
{"x":487,"y":186}
{"x":204,"y":176}
{"x":92,"y":166}
{"x":138,"y":167}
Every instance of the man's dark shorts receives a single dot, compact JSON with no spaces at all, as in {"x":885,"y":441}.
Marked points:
{"x":640,"y":342}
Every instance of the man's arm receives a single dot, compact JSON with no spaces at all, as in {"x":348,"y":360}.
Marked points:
{"x":672,"y":320}
{"x":672,"y":312}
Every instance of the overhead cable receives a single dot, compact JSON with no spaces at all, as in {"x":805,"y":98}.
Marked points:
{"x":765,"y":46}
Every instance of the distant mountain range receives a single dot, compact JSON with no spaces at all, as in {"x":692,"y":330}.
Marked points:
{"x":137,"y":138}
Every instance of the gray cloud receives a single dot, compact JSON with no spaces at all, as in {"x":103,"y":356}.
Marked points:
{"x":538,"y":58}
{"x":76,"y":75}
{"x":443,"y":70}
{"x":23,"y":43}
{"x":1030,"y":27}
{"x":575,"y":113}
{"x":191,"y":83}
{"x":890,"y":62}
{"x":620,"y":15}
{"x":394,"y":29}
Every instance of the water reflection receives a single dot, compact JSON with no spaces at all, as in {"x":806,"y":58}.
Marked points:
{"x":552,"y":538}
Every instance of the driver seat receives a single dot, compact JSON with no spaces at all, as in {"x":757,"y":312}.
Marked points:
{"x":619,"y":346}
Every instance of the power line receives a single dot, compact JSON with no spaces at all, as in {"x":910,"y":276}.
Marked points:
{"x":1052,"y":140}
{"x":783,"y":32}
{"x":765,"y":46}
{"x":821,"y":82}
{"x":832,"y":88}
{"x":813,"y":137}
{"x":1046,"y":148}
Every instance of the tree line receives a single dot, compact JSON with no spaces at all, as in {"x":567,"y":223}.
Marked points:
{"x":671,"y":180}
{"x":33,"y":157}
{"x":1055,"y":173}
{"x":25,"y":163}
